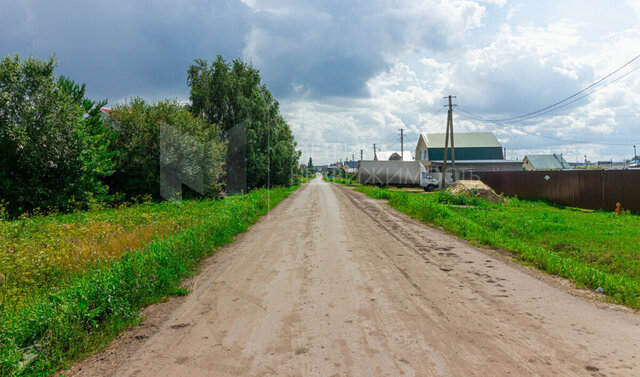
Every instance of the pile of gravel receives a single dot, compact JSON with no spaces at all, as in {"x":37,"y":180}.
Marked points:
{"x":475,"y":188}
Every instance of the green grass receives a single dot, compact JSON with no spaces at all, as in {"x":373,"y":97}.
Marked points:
{"x":303,"y":179}
{"x":42,"y":252}
{"x":594,"y":249}
{"x":350,"y":179}
{"x":77,"y":311}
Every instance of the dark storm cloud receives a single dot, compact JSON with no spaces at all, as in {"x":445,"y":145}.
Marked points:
{"x":333,"y":48}
{"x":121,"y":48}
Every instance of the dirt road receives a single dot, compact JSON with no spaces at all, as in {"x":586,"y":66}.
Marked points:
{"x":334,"y":283}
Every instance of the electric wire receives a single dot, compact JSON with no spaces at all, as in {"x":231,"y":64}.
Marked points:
{"x":531,"y":114}
{"x":472,"y":116}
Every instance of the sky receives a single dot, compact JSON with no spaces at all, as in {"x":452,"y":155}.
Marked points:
{"x":349,"y":74}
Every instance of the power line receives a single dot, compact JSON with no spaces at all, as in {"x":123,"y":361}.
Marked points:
{"x":529,"y":115}
{"x":585,"y":95}
{"x":473,"y":116}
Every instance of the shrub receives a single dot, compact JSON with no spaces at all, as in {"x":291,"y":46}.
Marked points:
{"x":52,"y":146}
{"x":164,"y":136}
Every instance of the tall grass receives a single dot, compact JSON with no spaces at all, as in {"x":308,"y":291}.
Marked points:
{"x":71,"y":317}
{"x":594,"y":249}
{"x":41,"y":252}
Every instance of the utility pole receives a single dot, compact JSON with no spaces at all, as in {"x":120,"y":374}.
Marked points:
{"x":374,"y":151}
{"x":346,"y":171}
{"x":635,"y":155}
{"x":453,"y":147}
{"x":446,"y":146}
{"x":361,"y":155}
{"x":402,"y":144}
{"x":353,"y":158}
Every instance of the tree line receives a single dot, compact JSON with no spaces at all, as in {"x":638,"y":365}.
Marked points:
{"x":59,"y":151}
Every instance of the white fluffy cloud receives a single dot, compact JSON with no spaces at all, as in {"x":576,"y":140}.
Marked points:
{"x":517,"y":69}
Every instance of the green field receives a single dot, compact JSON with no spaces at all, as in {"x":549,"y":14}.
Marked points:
{"x":72,"y":282}
{"x":592,"y":248}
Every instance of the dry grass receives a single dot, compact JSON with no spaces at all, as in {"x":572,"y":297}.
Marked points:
{"x":41,"y":252}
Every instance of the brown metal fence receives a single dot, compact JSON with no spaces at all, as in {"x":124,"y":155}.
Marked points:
{"x":593,"y":189}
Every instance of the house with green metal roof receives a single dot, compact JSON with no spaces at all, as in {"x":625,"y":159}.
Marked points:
{"x":474,"y":152}
{"x":468,"y":146}
{"x":545,"y":162}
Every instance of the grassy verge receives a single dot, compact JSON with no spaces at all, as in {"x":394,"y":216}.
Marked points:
{"x":306,"y":179}
{"x":594,"y":249}
{"x":41,"y":253}
{"x":84,"y":309}
{"x":349,"y":180}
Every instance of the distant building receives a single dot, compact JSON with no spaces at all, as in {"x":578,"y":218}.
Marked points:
{"x":468,"y":146}
{"x":545,"y":162}
{"x":474,"y":152}
{"x":392,"y":156}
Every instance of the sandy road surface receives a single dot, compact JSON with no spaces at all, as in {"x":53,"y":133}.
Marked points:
{"x":334,"y":283}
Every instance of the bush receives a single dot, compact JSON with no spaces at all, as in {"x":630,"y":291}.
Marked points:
{"x":164,"y":137}
{"x":52,"y":144}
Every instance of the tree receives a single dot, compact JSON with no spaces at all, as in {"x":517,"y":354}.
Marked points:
{"x":98,"y":160}
{"x":190,"y":147}
{"x":230,"y":95}
{"x":310,"y":165}
{"x":52,"y":151}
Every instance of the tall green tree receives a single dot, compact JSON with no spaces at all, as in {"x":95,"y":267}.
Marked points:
{"x":98,"y":161}
{"x":52,"y":150}
{"x":231,"y":94}
{"x":164,"y":135}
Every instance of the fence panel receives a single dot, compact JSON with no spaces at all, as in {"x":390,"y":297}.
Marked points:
{"x":593,"y":189}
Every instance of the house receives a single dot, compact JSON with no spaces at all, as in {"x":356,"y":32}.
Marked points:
{"x":545,"y":162}
{"x":468,"y":146}
{"x":392,"y":156}
{"x":474,"y":152}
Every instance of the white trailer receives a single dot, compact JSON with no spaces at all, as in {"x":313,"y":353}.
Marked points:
{"x":395,"y":173}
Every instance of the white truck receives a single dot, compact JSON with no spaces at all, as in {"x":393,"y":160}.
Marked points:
{"x":395,"y":173}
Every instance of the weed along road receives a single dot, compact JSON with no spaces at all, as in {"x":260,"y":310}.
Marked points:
{"x":332,"y":282}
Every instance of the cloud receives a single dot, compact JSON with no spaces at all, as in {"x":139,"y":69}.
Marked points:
{"x":332,"y":49}
{"x":635,"y":5}
{"x":122,"y":48}
{"x":521,"y":69}
{"x":349,"y":74}
{"x":495,"y":2}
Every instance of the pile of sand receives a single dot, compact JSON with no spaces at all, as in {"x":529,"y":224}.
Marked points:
{"x":475,"y":188}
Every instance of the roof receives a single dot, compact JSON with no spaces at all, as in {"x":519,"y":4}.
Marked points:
{"x":462,"y":140}
{"x":388,"y":155}
{"x":469,"y":162}
{"x":106,"y":110}
{"x":547,"y":161}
